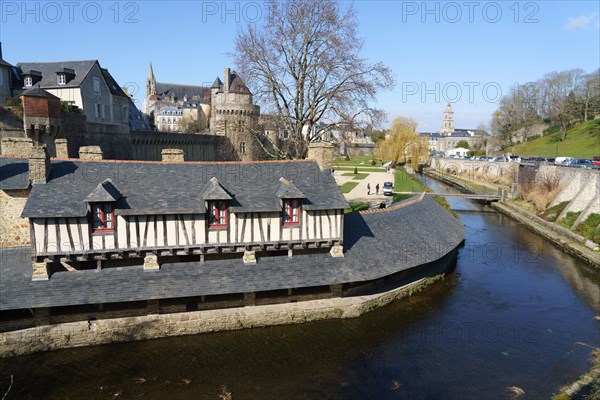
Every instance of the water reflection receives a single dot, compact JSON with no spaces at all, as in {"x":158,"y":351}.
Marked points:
{"x":511,"y":314}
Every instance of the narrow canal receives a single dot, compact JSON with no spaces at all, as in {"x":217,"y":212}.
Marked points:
{"x":516,"y":312}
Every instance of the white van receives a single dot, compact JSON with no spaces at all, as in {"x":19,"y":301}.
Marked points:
{"x":563,"y":160}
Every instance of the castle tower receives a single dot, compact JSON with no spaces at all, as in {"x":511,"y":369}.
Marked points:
{"x":234,"y":116}
{"x":150,"y":82}
{"x":448,"y":126}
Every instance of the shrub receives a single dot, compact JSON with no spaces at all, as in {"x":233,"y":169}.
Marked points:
{"x":590,"y":228}
{"x":355,"y":170}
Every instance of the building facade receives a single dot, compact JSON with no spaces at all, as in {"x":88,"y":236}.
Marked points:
{"x":84,"y":84}
{"x":162,"y":209}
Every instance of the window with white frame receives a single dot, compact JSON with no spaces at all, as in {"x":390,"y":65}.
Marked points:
{"x":28,"y":81}
{"x":62,"y":79}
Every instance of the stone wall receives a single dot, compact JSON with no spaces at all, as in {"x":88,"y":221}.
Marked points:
{"x":14,"y":230}
{"x":149,"y":145}
{"x":360,"y":149}
{"x":16,"y":147}
{"x":95,"y":332}
{"x":501,"y":173}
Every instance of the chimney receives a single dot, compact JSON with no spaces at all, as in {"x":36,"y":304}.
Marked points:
{"x":0,"y":50}
{"x":172,"y":155}
{"x":39,"y":164}
{"x":226,"y":74}
{"x":90,"y":153}
{"x":62,"y":150}
{"x":322,"y":153}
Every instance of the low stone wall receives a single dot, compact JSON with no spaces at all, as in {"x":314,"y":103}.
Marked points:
{"x":570,"y":242}
{"x":502,"y":173}
{"x":96,"y":332}
{"x":14,"y":230}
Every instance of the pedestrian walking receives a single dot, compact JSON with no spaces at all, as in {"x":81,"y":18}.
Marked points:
{"x":368,"y":189}
{"x":377,"y":189}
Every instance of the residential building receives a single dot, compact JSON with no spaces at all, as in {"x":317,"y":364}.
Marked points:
{"x":5,"y":81}
{"x":84,"y":84}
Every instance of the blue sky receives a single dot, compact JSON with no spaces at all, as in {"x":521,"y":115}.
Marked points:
{"x":466,"y":52}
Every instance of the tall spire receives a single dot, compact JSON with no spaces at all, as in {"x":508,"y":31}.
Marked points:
{"x":151,"y":73}
{"x":150,"y":82}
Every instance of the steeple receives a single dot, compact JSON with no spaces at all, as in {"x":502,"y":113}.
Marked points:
{"x":150,"y":82}
{"x":448,"y":126}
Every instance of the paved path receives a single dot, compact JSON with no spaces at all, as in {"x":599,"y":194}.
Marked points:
{"x":359,"y":193}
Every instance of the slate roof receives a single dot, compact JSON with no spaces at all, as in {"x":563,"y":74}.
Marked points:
{"x":287,"y":190}
{"x":48,"y":70}
{"x":375,"y":245}
{"x":137,"y":122}
{"x":39,"y":92}
{"x":112,"y":84}
{"x":214,"y":191}
{"x":164,"y":188}
{"x":105,"y":191}
{"x":180,"y":91}
{"x":14,"y":173}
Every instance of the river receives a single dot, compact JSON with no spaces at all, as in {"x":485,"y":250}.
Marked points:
{"x":516,"y":312}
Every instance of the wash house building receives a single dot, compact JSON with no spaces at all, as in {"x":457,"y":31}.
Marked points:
{"x":83,"y":214}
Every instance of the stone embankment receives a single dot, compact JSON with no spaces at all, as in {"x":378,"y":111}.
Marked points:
{"x":570,"y":242}
{"x":96,"y":332}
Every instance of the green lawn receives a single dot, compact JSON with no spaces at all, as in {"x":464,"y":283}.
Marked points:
{"x":360,"y":169}
{"x":356,"y":206}
{"x":348,"y":186}
{"x":404,"y":182}
{"x":357,"y":177}
{"x":355,"y":161}
{"x":583,"y":141}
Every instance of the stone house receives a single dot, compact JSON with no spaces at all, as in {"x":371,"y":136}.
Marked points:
{"x":84,"y":84}
{"x":5,"y":81}
{"x":83,"y":212}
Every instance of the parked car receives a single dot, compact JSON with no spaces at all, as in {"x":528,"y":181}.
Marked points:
{"x":388,"y":188}
{"x":562,"y":160}
{"x":581,"y":163}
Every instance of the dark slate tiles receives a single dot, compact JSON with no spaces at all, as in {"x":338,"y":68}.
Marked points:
{"x":376,"y":245}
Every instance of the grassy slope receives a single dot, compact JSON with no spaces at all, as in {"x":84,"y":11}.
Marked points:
{"x":583,"y":141}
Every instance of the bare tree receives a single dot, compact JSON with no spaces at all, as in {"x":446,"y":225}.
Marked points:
{"x":303,"y":63}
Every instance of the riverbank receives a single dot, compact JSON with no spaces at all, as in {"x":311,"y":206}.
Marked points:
{"x":586,"y":387}
{"x":568,"y":241}
{"x":96,"y":332}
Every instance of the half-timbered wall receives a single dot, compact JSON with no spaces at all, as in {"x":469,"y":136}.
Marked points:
{"x":74,"y":236}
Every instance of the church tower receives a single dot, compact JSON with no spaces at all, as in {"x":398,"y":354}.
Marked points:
{"x":150,"y":83}
{"x":448,"y":126}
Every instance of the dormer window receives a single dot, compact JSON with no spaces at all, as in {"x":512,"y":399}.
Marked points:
{"x":28,"y":81}
{"x":103,"y":215}
{"x":291,"y":212}
{"x":62,"y":79}
{"x":218,"y":213}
